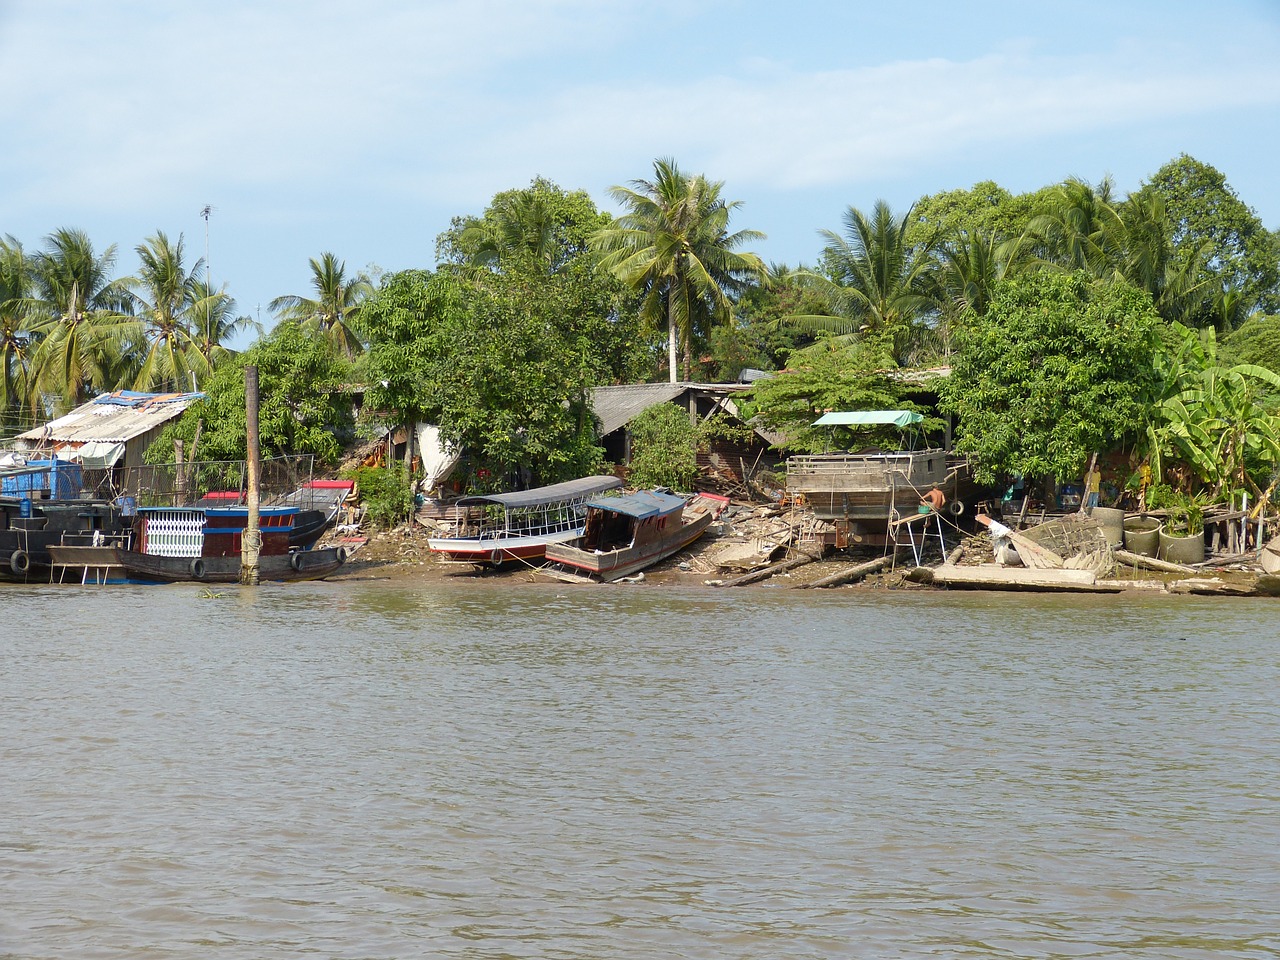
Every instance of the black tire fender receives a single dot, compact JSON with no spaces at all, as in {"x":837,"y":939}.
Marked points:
{"x":196,"y":569}
{"x":295,"y":561}
{"x":19,"y":563}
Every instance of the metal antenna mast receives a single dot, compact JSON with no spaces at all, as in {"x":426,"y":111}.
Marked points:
{"x":208,"y":281}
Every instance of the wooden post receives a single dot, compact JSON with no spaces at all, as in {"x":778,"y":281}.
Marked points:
{"x":179,"y":474}
{"x":251,"y":541}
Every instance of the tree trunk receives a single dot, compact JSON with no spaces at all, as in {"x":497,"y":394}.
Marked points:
{"x":672,"y":359}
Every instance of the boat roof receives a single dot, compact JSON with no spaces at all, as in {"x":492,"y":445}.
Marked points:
{"x":868,"y":418}
{"x":569,"y":490}
{"x":641,"y":504}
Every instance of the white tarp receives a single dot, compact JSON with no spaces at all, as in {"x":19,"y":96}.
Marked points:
{"x":438,"y":460}
{"x":97,"y":454}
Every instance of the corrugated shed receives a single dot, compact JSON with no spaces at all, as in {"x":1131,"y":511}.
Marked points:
{"x":116,"y":417}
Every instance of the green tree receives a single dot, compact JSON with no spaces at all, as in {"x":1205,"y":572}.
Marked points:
{"x":875,"y":283}
{"x":335,"y":309}
{"x":831,"y":374}
{"x":542,"y":225}
{"x":540,"y":236}
{"x":985,"y":209}
{"x":1059,"y":367}
{"x":214,"y":325}
{"x":673,"y":246}
{"x":490,"y":360}
{"x":1210,"y":221}
{"x":302,"y":408}
{"x":83,"y":329}
{"x":165,"y":299}
{"x":664,"y":446}
{"x":1220,"y":420}
{"x":16,"y":287}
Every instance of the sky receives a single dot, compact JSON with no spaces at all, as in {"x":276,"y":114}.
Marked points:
{"x":364,"y":128}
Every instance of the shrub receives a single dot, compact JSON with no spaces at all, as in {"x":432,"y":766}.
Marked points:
{"x":663,"y":448}
{"x":387,"y":493}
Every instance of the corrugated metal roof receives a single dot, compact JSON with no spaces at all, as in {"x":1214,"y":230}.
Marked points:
{"x":556,"y":492}
{"x":617,"y":406}
{"x":117,"y":417}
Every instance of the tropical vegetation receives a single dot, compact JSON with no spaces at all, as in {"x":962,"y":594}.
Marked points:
{"x":1069,"y":320}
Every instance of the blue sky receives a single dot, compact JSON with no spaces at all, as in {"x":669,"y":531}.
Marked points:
{"x":363,"y":128}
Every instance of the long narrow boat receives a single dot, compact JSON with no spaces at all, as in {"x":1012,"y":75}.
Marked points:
{"x":626,"y":534}
{"x":494,"y":528}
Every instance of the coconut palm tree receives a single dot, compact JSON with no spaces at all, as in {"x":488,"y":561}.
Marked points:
{"x":83,"y":325}
{"x":1079,"y":229}
{"x":875,"y":282}
{"x":165,"y":296}
{"x":336,"y":307}
{"x":674,"y":248}
{"x":16,"y":348}
{"x":214,"y":324}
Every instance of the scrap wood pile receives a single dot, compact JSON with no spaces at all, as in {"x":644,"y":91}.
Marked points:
{"x":754,"y":536}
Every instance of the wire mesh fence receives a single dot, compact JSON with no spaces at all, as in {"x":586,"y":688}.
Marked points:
{"x":283,"y":481}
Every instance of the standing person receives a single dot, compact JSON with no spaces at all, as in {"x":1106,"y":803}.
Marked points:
{"x":1092,"y":484}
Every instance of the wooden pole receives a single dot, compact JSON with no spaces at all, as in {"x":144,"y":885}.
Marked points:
{"x":764,"y":573}
{"x":251,"y":541}
{"x":179,"y":474}
{"x":856,"y":572}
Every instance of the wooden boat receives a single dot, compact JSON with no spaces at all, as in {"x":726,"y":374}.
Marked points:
{"x":40,"y":506}
{"x":626,"y":534}
{"x":491,"y":529}
{"x":860,"y":494}
{"x":27,"y":530}
{"x":203,"y":544}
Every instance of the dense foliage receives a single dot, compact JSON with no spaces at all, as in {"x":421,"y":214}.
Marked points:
{"x":1059,"y":367}
{"x":302,"y":406}
{"x":386,"y":492}
{"x":829,"y":375}
{"x":542,"y":296}
{"x":663,"y":448}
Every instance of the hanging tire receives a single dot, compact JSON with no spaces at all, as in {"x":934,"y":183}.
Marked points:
{"x":343,"y":554}
{"x":196,"y":569}
{"x":19,"y":563}
{"x":957,"y":508}
{"x":295,"y":561}
{"x":496,"y":557}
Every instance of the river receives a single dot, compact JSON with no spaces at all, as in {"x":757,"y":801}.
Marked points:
{"x":378,"y":770}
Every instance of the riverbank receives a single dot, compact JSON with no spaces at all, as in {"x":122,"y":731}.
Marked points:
{"x":402,"y":556}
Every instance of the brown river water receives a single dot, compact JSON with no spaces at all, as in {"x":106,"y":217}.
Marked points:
{"x":380,"y":770}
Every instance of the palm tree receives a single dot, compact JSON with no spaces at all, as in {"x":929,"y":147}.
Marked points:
{"x":969,"y":268}
{"x":165,"y":296}
{"x":336,"y":306}
{"x":875,"y":281}
{"x":83,"y":326}
{"x":1080,"y":228}
{"x":214,"y":324}
{"x":521,"y":223}
{"x":673,"y":246}
{"x":16,"y":283}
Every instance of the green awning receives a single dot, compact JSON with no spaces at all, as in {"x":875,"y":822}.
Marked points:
{"x":869,"y":418}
